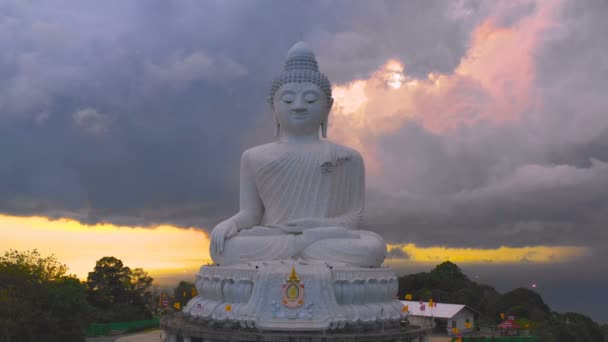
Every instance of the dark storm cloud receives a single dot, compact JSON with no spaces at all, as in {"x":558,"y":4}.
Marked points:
{"x":136,"y":113}
{"x":537,"y":181}
{"x":397,"y":253}
{"x":499,"y":193}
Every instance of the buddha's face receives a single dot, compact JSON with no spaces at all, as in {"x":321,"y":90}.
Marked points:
{"x":300,"y":108}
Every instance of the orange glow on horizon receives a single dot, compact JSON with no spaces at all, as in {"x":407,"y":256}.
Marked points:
{"x":160,"y":250}
{"x":501,"y":255}
{"x":168,"y":251}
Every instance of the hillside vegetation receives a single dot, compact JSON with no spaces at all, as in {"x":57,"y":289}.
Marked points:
{"x":447,"y":284}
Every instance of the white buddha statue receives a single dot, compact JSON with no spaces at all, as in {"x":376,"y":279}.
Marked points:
{"x":301,"y":197}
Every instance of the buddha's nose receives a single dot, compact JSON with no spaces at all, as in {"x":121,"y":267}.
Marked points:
{"x":298,"y":106}
{"x":299,"y":109}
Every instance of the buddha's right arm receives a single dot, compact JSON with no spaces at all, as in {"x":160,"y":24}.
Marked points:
{"x":246,"y":219}
{"x":251,"y":208}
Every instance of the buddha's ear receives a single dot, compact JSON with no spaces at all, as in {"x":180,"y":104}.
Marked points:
{"x":277,"y":127}
{"x":325,"y":122}
{"x":324,"y":128}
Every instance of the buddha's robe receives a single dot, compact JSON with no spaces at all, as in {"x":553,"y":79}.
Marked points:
{"x":319,"y":180}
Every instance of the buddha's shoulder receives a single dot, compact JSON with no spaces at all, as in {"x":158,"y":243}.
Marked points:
{"x":337,"y":153}
{"x":260,"y":151}
{"x":269,"y":152}
{"x":343,"y":150}
{"x":258,"y":156}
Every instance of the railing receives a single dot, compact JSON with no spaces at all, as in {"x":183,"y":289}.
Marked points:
{"x":105,"y":329}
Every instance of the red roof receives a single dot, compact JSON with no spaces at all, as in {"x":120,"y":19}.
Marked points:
{"x":509,"y":324}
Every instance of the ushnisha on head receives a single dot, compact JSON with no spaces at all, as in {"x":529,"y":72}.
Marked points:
{"x":300,"y":96}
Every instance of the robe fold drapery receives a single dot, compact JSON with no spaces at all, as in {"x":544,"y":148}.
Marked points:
{"x":324,"y":180}
{"x":302,"y":181}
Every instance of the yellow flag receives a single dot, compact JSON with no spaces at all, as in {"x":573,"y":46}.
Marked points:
{"x":177,"y":305}
{"x":502,"y":315}
{"x":406,"y":308}
{"x":455,"y":330}
{"x":431,"y":303}
{"x":468,"y":325}
{"x":408,"y":296}
{"x":194,"y":293}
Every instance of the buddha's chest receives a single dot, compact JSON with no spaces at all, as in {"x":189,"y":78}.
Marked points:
{"x":290,"y":167}
{"x":298,"y":174}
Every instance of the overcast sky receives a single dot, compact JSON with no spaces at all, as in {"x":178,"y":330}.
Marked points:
{"x":482,"y":123}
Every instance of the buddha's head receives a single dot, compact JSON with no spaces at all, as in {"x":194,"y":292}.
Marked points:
{"x":301,"y":96}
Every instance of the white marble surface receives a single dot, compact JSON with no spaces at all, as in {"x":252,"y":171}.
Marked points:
{"x":301,"y":202}
{"x":300,"y":196}
{"x":251,"y":295}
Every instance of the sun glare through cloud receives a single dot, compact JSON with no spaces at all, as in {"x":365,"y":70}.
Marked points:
{"x":493,"y":83}
{"x":395,"y":77}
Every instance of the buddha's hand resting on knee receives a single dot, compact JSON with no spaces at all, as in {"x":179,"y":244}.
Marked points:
{"x":224,"y":230}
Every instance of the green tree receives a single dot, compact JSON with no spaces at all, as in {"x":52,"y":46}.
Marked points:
{"x":119,"y":293}
{"x":109,"y":282}
{"x":523,"y":302}
{"x":449,"y":277}
{"x":579,"y":326}
{"x":604,"y":328}
{"x":38,"y":301}
{"x":570,"y":327}
{"x":142,"y":291}
{"x":447,"y":283}
{"x":183,"y":292}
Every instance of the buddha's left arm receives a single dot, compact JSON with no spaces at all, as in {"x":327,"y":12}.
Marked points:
{"x":355,"y":196}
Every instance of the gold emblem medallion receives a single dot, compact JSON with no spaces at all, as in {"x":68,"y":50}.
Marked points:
{"x":293,"y":291}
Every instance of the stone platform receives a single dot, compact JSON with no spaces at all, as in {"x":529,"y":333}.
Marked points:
{"x":325,"y":297}
{"x":293,"y":301}
{"x":180,"y":328}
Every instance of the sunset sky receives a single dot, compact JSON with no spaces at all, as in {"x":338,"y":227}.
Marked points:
{"x":483,"y":127}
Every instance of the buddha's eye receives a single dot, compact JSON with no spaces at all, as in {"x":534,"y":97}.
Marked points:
{"x":310,"y":98}
{"x":288,"y":98}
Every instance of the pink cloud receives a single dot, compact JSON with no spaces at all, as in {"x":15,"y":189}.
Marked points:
{"x":494,"y":83}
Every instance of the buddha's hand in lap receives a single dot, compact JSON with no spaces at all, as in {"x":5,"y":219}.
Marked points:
{"x":224,"y":230}
{"x":312,"y":235}
{"x":299,"y":226}
{"x":322,"y":233}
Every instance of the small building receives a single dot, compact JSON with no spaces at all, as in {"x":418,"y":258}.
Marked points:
{"x":443,"y":317}
{"x":509,"y":327}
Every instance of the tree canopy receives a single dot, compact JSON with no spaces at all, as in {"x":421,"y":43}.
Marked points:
{"x":119,"y":293}
{"x":184,"y":292}
{"x":38,"y":301}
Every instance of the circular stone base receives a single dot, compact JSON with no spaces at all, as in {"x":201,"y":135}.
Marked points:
{"x":179,"y":327}
{"x":324,"y":297}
